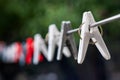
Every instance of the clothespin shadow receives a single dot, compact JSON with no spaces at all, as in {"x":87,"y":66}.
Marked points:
{"x":53,"y":41}
{"x":66,"y":38}
{"x":88,"y":33}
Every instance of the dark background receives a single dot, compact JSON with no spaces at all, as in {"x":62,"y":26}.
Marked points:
{"x":20,"y":19}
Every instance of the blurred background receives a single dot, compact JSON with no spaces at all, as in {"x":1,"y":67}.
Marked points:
{"x":20,"y":19}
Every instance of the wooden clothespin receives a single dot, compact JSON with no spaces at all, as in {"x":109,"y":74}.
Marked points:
{"x":39,"y":47}
{"x":65,"y":38}
{"x":53,"y":41}
{"x":92,"y":33}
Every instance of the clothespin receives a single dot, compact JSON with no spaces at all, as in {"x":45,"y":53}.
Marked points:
{"x":29,"y":50}
{"x":53,"y":41}
{"x":19,"y":51}
{"x":39,"y":47}
{"x":9,"y":54}
{"x":23,"y":55}
{"x":92,"y":33}
{"x":4,"y":54}
{"x":65,"y":38}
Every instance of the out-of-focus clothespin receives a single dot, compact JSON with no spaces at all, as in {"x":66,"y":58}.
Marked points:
{"x":23,"y":55}
{"x":29,"y":50}
{"x":92,"y":33}
{"x":53,"y":41}
{"x":9,"y":54}
{"x":19,"y":51}
{"x":65,"y":38}
{"x":39,"y":47}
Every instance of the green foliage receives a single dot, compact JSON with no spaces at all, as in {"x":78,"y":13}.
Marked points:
{"x":22,"y":18}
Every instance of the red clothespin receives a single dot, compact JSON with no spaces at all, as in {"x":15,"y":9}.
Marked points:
{"x":29,"y":50}
{"x":18,"y":51}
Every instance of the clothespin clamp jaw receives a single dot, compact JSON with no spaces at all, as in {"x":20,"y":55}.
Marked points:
{"x":88,"y":33}
{"x":100,"y":44}
{"x":53,"y":41}
{"x":65,"y":38}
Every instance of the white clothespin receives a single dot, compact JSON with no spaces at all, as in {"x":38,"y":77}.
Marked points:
{"x":53,"y":40}
{"x":88,"y":33}
{"x":39,"y":47}
{"x":65,"y":38}
{"x":9,"y":54}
